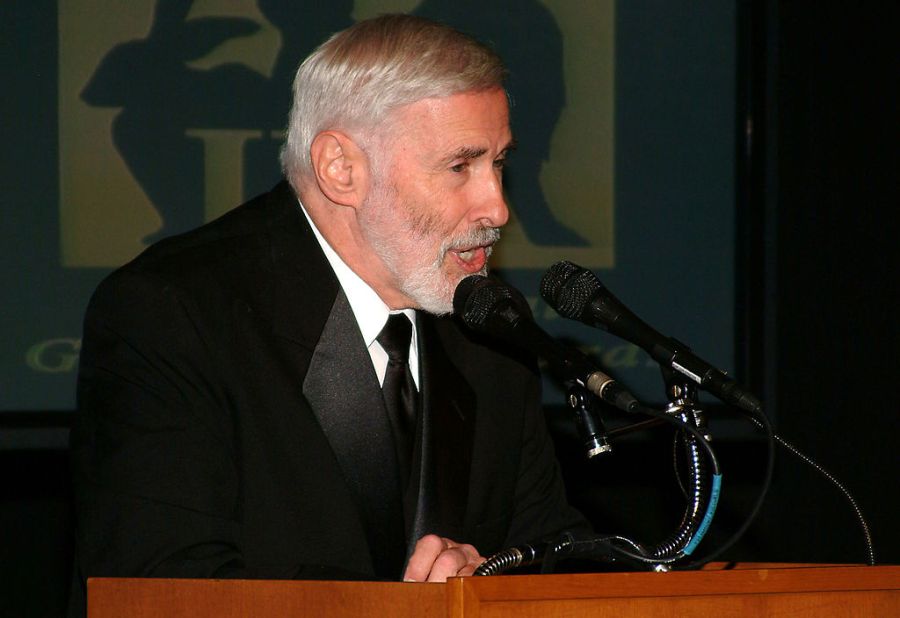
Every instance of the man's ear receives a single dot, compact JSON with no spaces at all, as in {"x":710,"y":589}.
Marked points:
{"x":341,"y":168}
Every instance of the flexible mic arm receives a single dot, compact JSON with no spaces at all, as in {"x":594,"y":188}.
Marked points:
{"x":524,"y":555}
{"x":701,"y":489}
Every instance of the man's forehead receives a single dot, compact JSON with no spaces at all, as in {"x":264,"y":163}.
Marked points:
{"x":453,"y":121}
{"x":464,"y":102}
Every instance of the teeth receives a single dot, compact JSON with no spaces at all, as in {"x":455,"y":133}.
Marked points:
{"x":467,"y":255}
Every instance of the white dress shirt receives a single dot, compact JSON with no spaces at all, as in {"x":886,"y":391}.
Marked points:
{"x":369,"y":310}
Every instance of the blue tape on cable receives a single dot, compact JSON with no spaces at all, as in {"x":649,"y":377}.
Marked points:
{"x":707,"y":518}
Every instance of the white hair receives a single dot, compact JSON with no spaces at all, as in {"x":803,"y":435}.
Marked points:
{"x":358,"y":77}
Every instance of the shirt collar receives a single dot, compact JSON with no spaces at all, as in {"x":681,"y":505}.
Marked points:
{"x":370,"y":311}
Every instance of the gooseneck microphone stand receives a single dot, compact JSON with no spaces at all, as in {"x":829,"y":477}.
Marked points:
{"x":701,"y":487}
{"x":492,"y":307}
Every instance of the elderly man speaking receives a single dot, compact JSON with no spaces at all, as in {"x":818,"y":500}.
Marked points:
{"x":282,"y":393}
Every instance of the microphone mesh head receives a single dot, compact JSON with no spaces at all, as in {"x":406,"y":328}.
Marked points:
{"x":577,"y":293}
{"x":476,"y":299}
{"x":463,"y":291}
{"x":554,"y":279}
{"x":568,"y":288}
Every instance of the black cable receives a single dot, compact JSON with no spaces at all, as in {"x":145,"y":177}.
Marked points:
{"x":870,"y":550}
{"x":764,"y":424}
{"x":702,"y":495}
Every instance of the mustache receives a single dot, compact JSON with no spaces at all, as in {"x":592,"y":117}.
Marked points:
{"x":476,"y":237}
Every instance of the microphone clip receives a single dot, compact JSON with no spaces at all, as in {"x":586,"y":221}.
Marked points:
{"x":590,"y":428}
{"x":683,"y":400}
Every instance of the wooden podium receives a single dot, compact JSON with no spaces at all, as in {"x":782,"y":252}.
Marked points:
{"x":748,"y":590}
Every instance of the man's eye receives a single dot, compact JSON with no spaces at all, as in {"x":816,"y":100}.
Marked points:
{"x":500,"y":163}
{"x":459,"y":167}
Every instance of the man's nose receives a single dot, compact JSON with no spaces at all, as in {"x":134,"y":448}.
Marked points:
{"x":491,"y":209}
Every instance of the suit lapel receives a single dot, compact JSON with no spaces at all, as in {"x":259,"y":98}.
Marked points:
{"x":310,"y":312}
{"x":343,"y":391}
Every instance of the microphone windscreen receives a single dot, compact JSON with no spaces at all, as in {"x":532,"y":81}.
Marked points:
{"x":474,"y":299}
{"x":486,"y":304}
{"x":463,"y":292}
{"x":568,"y":288}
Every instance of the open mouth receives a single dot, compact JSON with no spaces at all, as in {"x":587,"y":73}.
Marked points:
{"x":471,"y":252}
{"x":472,"y":259}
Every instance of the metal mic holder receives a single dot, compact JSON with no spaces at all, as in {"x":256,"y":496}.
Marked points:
{"x":581,"y":401}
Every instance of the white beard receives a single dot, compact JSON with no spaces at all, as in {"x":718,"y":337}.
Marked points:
{"x":401,"y":240}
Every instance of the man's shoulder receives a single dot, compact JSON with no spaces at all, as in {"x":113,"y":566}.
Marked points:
{"x":241,"y":257}
{"x":230,"y":237}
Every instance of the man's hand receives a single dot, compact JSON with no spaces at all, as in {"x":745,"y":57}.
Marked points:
{"x":436,"y":558}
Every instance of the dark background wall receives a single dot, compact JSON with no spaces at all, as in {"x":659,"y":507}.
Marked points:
{"x":834,"y":150}
{"x":820,"y":303}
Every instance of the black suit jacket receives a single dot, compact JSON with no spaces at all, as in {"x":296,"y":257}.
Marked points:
{"x":223,"y":409}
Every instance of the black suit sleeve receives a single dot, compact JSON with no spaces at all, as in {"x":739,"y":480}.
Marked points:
{"x":542,"y":511}
{"x":155,"y":480}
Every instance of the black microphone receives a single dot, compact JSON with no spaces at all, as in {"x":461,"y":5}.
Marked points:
{"x":576,"y":293}
{"x":492,"y":307}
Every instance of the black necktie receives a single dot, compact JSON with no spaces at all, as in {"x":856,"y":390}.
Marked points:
{"x":399,"y":389}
